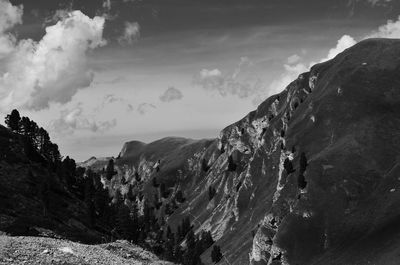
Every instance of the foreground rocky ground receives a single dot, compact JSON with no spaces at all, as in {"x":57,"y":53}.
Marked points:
{"x":42,"y":250}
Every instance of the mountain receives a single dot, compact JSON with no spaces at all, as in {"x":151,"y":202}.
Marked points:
{"x":310,"y":177}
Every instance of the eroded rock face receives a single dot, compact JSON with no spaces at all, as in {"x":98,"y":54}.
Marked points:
{"x":313,"y":168}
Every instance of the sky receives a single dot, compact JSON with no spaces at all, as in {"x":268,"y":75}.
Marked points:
{"x":98,"y":73}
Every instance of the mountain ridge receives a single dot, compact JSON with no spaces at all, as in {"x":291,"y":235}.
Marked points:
{"x":263,"y":198}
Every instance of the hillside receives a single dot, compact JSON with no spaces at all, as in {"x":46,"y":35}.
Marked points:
{"x":309,"y":177}
{"x":50,"y":209}
{"x":41,"y":250}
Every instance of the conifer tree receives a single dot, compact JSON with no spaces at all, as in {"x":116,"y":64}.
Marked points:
{"x":110,"y":171}
{"x":216,"y":254}
{"x":303,"y":162}
{"x":13,"y":121}
{"x":287,"y":164}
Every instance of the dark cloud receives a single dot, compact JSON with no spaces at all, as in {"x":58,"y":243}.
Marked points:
{"x":144,"y":108}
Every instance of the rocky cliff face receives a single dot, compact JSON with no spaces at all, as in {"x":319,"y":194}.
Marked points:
{"x":310,"y":177}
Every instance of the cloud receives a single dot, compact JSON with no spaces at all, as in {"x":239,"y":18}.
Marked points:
{"x":389,"y":30}
{"x":144,"y":108}
{"x":230,"y":83}
{"x":53,"y":69}
{"x":131,"y":33}
{"x":107,"y":5}
{"x":293,"y":59}
{"x":108,"y":99}
{"x":72,"y":120}
{"x":377,"y":2}
{"x":342,"y":44}
{"x":171,"y":94}
{"x":209,"y":79}
{"x":9,"y":17}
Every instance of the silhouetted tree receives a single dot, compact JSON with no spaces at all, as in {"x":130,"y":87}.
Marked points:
{"x":13,"y":121}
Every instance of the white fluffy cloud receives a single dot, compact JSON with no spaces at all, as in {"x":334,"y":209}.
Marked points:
{"x":53,"y":69}
{"x":171,"y":94}
{"x":9,"y":17}
{"x":342,"y":44}
{"x":295,"y":66}
{"x":72,"y":120}
{"x":131,"y":33}
{"x":390,"y":30}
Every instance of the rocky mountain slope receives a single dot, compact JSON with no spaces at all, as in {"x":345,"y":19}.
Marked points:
{"x":312,"y":176}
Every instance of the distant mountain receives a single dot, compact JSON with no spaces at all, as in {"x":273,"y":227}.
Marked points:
{"x":95,"y":163}
{"x":310,"y":177}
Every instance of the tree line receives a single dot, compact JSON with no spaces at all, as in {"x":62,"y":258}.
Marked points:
{"x":120,"y":217}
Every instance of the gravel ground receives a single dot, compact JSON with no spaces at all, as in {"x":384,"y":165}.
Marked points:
{"x":41,"y":250}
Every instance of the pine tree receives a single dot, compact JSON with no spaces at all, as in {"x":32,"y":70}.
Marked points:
{"x":169,"y":245}
{"x":190,"y":257}
{"x":124,"y":222}
{"x":211,"y":193}
{"x":231,"y":164}
{"x":110,"y":171}
{"x":303,"y":163}
{"x":13,"y":121}
{"x":287,"y":164}
{"x":206,"y":240}
{"x":179,"y":196}
{"x":163,"y":191}
{"x":137,"y":177}
{"x":216,"y":254}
